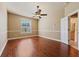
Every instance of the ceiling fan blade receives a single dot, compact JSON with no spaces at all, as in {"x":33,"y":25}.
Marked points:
{"x":43,"y":14}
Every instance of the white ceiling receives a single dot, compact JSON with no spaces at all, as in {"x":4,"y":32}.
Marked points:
{"x":28,"y":8}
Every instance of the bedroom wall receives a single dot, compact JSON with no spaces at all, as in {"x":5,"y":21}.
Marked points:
{"x":14,"y":28}
{"x":71,"y":7}
{"x":49,"y":26}
{"x":3,"y":27}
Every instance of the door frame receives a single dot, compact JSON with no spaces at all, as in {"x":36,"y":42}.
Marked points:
{"x":75,"y":33}
{"x":77,"y":11}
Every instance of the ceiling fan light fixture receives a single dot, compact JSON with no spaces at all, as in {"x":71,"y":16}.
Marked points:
{"x":38,"y":13}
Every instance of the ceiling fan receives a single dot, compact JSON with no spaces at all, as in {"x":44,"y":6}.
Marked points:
{"x":38,"y":13}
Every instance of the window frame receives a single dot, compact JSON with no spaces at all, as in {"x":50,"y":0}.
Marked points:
{"x":30,"y":24}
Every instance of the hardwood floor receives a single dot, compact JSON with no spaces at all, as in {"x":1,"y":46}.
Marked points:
{"x":38,"y":47}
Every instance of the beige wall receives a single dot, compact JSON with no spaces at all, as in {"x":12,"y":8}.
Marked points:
{"x":3,"y":27}
{"x":14,"y":28}
{"x":71,"y":7}
{"x":49,"y":26}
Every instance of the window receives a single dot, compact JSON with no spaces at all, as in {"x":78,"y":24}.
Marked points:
{"x":26,"y":26}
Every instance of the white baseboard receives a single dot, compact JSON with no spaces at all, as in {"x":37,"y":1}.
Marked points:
{"x":21,"y":37}
{"x":3,"y":47}
{"x":50,"y":38}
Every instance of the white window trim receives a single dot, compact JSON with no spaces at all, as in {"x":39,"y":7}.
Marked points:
{"x":30,"y":21}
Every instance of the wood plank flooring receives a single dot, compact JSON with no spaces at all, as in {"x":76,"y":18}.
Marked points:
{"x":38,"y":47}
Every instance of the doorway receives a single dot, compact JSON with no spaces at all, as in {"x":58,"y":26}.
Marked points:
{"x":73,"y":30}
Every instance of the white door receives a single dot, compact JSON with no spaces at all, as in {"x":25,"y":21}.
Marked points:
{"x":64,"y":30}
